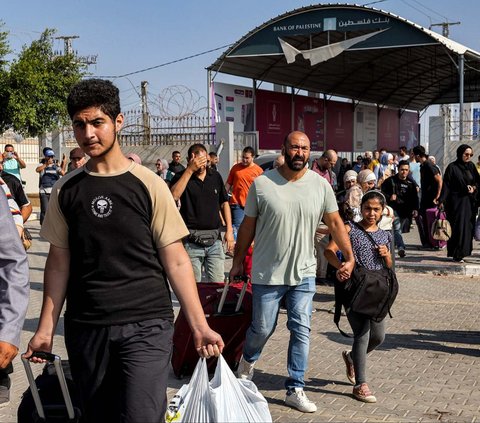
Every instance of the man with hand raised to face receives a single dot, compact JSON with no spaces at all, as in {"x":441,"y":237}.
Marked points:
{"x":115,"y":236}
{"x":203,"y":197}
{"x":284,"y":208}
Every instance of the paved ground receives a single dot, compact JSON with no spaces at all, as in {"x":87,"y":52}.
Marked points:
{"x":427,"y":370}
{"x":435,"y":262}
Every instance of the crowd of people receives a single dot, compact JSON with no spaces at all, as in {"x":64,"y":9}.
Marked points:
{"x":415,"y":190}
{"x":120,"y":238}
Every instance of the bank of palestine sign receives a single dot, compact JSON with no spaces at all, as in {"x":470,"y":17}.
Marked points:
{"x":367,"y":30}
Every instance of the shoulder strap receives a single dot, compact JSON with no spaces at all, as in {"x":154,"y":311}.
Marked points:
{"x":339,"y":288}
{"x":370,"y":237}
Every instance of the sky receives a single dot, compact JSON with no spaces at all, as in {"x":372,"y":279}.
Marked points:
{"x":131,"y":36}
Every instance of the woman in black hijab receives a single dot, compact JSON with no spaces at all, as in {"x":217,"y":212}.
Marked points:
{"x":461,"y":184}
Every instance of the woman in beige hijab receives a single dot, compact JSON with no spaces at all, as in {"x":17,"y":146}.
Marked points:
{"x":367,"y":180}
{"x":353,"y":197}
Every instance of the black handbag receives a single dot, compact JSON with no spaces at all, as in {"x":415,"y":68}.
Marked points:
{"x":368,"y":292}
{"x":372,"y":292}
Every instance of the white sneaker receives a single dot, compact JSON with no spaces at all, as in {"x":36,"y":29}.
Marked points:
{"x":297,"y":398}
{"x":245,"y":370}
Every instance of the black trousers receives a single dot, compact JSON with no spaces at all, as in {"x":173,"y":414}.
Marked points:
{"x":121,"y":371}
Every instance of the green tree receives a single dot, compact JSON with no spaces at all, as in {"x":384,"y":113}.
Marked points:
{"x":37,"y":85}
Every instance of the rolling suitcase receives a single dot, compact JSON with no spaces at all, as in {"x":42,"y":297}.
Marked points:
{"x":247,"y":263}
{"x":228,"y":309}
{"x":49,"y":398}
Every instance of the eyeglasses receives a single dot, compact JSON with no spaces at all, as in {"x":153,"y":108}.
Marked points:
{"x":468,"y":155}
{"x":158,"y":164}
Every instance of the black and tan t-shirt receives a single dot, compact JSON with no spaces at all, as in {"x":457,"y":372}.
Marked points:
{"x":113,"y":225}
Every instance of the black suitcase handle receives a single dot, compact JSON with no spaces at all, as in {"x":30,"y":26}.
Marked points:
{"x":57,"y":362}
{"x":44,"y":356}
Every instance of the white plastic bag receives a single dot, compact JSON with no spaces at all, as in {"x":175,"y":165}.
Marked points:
{"x":192,"y":402}
{"x":224,"y":399}
{"x":236,"y":400}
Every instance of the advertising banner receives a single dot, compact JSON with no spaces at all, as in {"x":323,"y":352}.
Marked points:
{"x":365,"y":128}
{"x":409,"y":130}
{"x":274,"y":118}
{"x":476,"y":123}
{"x":388,"y":130}
{"x":234,"y":103}
{"x":339,"y":118}
{"x":309,"y":117}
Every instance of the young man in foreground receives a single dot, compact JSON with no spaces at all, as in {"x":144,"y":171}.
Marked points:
{"x":115,"y":235}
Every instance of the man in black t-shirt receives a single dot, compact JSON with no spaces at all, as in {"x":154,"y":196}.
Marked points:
{"x":402,"y":196}
{"x":202,"y":196}
{"x":431,"y":183}
{"x":115,"y":235}
{"x":175,"y":166}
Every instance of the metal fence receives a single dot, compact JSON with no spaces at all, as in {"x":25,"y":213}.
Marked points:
{"x":28,"y":149}
{"x":140,"y":130}
{"x":143,"y":129}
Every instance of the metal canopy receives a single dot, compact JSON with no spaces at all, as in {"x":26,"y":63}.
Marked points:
{"x":397,"y":63}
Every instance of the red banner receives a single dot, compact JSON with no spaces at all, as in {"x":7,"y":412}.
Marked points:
{"x":310,"y":118}
{"x":409,"y":130}
{"x":274,"y":121}
{"x":388,"y":130}
{"x":339,"y":126}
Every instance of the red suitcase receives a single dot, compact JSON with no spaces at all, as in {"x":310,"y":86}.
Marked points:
{"x":247,"y":262}
{"x":228,"y":309}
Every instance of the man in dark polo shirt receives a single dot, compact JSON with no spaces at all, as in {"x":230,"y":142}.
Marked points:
{"x":202,"y":196}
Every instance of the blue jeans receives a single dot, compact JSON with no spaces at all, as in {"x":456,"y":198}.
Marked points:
{"x":211,"y":258}
{"x":266,"y":303}
{"x":238,"y":213}
{"x":397,"y":232}
{"x":44,"y":199}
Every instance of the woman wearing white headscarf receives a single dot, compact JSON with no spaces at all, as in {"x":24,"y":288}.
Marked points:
{"x":367,"y":180}
{"x":353,"y":197}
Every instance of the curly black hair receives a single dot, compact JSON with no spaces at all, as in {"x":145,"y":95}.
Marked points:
{"x":94,"y":93}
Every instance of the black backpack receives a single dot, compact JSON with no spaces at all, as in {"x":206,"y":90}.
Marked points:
{"x":368,"y":292}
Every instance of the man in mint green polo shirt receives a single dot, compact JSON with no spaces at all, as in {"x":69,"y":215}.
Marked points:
{"x":12,"y":163}
{"x":284,"y":208}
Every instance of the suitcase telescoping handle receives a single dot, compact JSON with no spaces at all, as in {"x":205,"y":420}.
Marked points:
{"x":57,"y":362}
{"x":240,"y":297}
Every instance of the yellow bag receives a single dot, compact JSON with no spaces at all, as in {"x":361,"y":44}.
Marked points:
{"x":441,"y":229}
{"x":26,"y":239}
